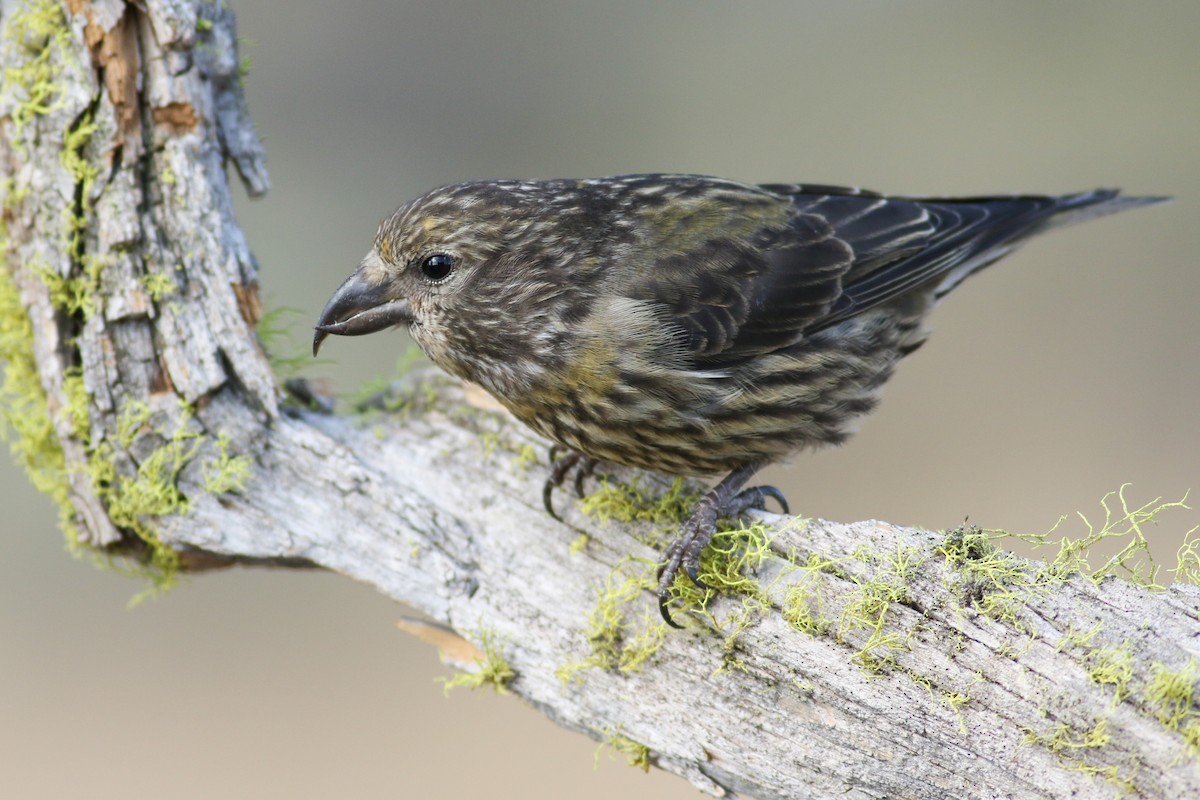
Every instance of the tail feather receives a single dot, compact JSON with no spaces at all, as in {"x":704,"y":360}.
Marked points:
{"x":1066,"y":210}
{"x":1081,"y":207}
{"x":969,"y":233}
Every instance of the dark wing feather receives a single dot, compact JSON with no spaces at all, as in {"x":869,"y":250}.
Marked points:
{"x":739,"y":272}
{"x":804,"y":257}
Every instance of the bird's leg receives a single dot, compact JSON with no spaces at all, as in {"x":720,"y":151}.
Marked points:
{"x":724,"y":499}
{"x":583,"y":465}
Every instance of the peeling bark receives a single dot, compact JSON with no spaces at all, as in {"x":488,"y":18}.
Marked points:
{"x":862,"y":662}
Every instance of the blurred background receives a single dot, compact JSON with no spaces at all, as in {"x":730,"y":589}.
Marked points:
{"x":1050,"y":380}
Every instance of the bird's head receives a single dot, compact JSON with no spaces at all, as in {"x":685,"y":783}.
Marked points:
{"x":474,"y":271}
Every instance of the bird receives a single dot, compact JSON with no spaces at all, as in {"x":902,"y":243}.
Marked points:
{"x":678,"y":323}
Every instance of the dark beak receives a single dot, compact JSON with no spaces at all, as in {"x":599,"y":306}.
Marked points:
{"x":359,"y":307}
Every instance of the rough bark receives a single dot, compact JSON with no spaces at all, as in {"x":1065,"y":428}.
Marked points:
{"x":857,"y":660}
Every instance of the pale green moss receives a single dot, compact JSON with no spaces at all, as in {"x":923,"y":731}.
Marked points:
{"x":77,"y":295}
{"x":1076,"y":750}
{"x":1190,"y":731}
{"x":733,"y":626}
{"x":40,"y":28}
{"x":493,"y":670}
{"x":226,"y":473}
{"x":25,"y":422}
{"x":956,"y":702}
{"x":1074,"y":638}
{"x":633,"y":503}
{"x":995,"y":583}
{"x":579,"y":544}
{"x":1124,"y":526}
{"x":84,"y":173}
{"x":152,"y":491}
{"x":158,"y":285}
{"x":1062,"y":739}
{"x":274,"y":330}
{"x":1112,"y":666}
{"x":867,"y":606}
{"x":77,"y":403}
{"x":620,"y":638}
{"x":636,"y":753}
{"x":394,"y":395}
{"x":804,"y":602}
{"x":727,"y":566}
{"x":1171,"y":693}
{"x":1187,"y":559}
{"x":526,"y":457}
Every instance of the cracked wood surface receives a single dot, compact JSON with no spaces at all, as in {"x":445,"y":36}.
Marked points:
{"x":436,"y":509}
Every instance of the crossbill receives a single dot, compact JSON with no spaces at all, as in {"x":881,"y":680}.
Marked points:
{"x":681,"y":323}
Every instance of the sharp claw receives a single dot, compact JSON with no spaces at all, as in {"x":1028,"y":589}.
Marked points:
{"x":548,"y":500}
{"x":582,"y":473}
{"x":666,"y":612}
{"x":755,"y":498}
{"x":776,"y":495}
{"x":558,"y":473}
{"x":693,"y":572}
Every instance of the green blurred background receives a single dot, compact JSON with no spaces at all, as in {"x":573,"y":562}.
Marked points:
{"x":1050,"y":380}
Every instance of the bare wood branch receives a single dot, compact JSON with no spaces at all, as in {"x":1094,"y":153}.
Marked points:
{"x":860,"y":660}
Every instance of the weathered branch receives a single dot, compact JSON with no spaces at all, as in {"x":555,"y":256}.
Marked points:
{"x":847,"y":660}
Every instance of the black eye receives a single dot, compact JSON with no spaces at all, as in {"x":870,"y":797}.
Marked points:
{"x":437,"y":266}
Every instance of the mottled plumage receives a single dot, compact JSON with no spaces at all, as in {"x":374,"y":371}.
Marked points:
{"x":681,"y":323}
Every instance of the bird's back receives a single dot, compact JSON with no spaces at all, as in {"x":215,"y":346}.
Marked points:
{"x":748,"y":322}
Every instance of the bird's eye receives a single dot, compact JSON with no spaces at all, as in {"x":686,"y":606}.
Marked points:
{"x":437,"y":266}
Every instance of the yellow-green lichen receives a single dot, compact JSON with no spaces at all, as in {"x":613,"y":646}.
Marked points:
{"x":1074,"y":638}
{"x":733,"y":626}
{"x":133,"y":496}
{"x":158,"y":285}
{"x":77,"y":403}
{"x":865,"y":606}
{"x":1171,"y":693}
{"x":995,"y":583}
{"x":153,"y":490}
{"x":493,"y":670}
{"x":25,"y":422}
{"x":1063,"y":738}
{"x":726,"y":564}
{"x":84,"y":173}
{"x":804,"y":602}
{"x":78,"y":295}
{"x":274,"y":330}
{"x":1123,"y":527}
{"x":631,"y":502}
{"x":619,"y":636}
{"x":1112,"y":666}
{"x":399,"y":394}
{"x":526,"y":456}
{"x":40,"y":29}
{"x":134,"y":499}
{"x":636,"y":753}
{"x":226,"y":473}
{"x":1187,"y":559}
{"x":727,"y":567}
{"x":1076,"y":750}
{"x":956,"y":702}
